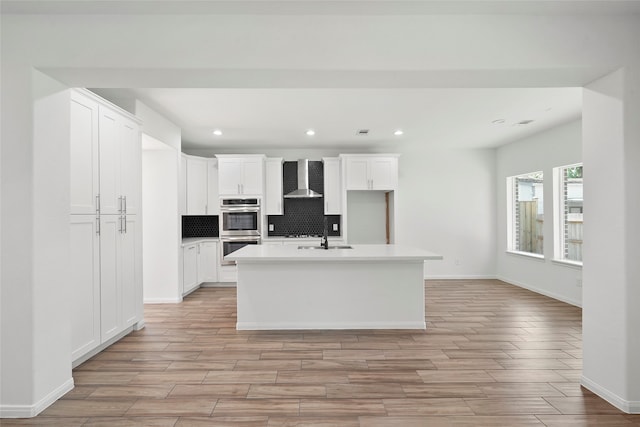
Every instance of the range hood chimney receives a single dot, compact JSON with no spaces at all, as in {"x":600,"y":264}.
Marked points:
{"x":303,"y":190}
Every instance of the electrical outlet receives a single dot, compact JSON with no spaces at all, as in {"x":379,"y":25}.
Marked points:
{"x":270,"y":227}
{"x":335,"y":227}
{"x":457,"y":262}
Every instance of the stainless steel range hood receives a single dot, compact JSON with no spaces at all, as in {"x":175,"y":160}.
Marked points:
{"x":303,"y":190}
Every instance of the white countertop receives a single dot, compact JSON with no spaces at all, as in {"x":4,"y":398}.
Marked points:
{"x":267,"y":253}
{"x":191,"y":240}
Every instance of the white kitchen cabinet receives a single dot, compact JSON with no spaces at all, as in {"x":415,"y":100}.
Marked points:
{"x":120,"y":153}
{"x":190,"y":268}
{"x":273,"y":187}
{"x":199,"y":186}
{"x":240,"y":175}
{"x":110,"y":321}
{"x":197,"y":191}
{"x":182,"y":201}
{"x":120,"y":274}
{"x":207,"y":262}
{"x":332,"y":186}
{"x":130,"y":255}
{"x":213,"y":204}
{"x":106,"y":185}
{"x":371,"y":172}
{"x":83,"y":142}
{"x":84,"y":284}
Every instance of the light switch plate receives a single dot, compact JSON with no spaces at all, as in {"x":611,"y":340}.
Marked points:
{"x":270,"y":227}
{"x":335,"y":227}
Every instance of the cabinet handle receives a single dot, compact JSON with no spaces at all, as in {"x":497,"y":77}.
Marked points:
{"x":206,"y":209}
{"x":124,"y":202}
{"x":98,"y":225}
{"x":119,"y":204}
{"x":97,"y":203}
{"x":124,"y":221}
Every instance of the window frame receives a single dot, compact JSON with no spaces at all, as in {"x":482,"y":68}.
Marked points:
{"x":559,"y":216}
{"x":512,"y":223}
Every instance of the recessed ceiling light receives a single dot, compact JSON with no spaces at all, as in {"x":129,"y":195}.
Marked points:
{"x":498,"y":121}
{"x":311,"y":132}
{"x":398,"y":132}
{"x":217,"y":132}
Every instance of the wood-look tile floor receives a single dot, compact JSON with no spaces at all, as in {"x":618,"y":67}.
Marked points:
{"x":492,"y":355}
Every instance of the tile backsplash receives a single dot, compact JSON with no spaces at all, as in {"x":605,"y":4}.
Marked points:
{"x":200,"y":226}
{"x":302,"y":216}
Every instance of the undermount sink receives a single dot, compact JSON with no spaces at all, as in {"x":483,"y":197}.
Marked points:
{"x":322,"y":248}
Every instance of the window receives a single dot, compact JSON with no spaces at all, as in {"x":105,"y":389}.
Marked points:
{"x":568,"y":213}
{"x":526,"y":213}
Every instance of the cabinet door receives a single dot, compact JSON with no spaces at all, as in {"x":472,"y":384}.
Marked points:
{"x":383,"y":173}
{"x":332,"y":187}
{"x":131,"y":164}
{"x":196,"y":186}
{"x":182,"y":202}
{"x":208,"y":262}
{"x":252,"y":176}
{"x":110,"y":324}
{"x":229,"y":176}
{"x":190,"y":268}
{"x":109,"y":142}
{"x":357,"y":174}
{"x":213,"y":199}
{"x":84,"y":285}
{"x":129,"y":254}
{"x":83,"y":141}
{"x":273,"y":187}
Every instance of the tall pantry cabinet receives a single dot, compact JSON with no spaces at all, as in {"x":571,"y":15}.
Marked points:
{"x":106,"y":238}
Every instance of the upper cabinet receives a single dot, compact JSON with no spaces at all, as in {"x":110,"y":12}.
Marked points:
{"x":84,"y":154}
{"x":332,"y":186}
{"x":371,"y":172}
{"x":199,"y":186}
{"x":273,"y":186}
{"x":240,"y":175}
{"x":105,"y":158}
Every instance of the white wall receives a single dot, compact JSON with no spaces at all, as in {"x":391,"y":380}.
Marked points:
{"x":295,"y":51}
{"x":446,"y":204}
{"x":160,"y":233}
{"x":541,"y":152}
{"x":367,"y":218}
{"x":611,"y":160}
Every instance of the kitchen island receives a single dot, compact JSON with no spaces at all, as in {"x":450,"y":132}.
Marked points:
{"x":363,"y":287}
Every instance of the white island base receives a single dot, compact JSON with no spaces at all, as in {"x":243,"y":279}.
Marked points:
{"x":367,"y":287}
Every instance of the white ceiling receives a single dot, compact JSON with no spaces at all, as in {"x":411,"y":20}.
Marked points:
{"x":459,"y":118}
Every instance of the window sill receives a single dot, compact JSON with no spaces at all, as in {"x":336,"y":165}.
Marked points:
{"x":527,"y":255}
{"x":567,"y":263}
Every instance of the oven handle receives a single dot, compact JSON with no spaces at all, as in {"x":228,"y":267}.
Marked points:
{"x":240,"y":209}
{"x":240,"y":239}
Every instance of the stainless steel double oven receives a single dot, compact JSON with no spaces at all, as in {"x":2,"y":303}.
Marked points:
{"x":239,"y":225}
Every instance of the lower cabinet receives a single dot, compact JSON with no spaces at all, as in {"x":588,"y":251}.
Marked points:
{"x":190,"y":268}
{"x":208,"y":262}
{"x":84,"y":283}
{"x":105,"y":279}
{"x":199,"y":264}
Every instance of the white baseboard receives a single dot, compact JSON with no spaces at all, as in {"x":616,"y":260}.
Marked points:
{"x":30,"y":411}
{"x":218,"y":285}
{"x":630,"y":407}
{"x":257,"y":326}
{"x":541,"y":291}
{"x":162,"y":300}
{"x":454,"y":277}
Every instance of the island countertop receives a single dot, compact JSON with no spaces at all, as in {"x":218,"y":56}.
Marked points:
{"x":289,"y":253}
